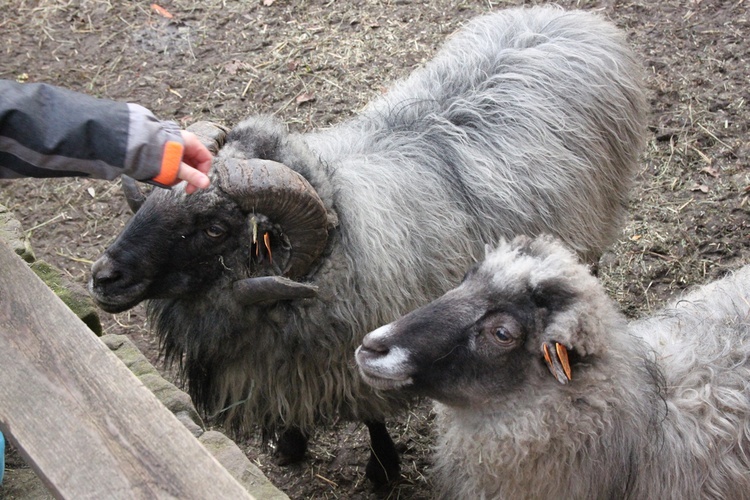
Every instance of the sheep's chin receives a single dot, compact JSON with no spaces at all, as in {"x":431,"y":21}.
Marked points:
{"x":385,"y":384}
{"x":118,"y":302}
{"x":116,"y":307}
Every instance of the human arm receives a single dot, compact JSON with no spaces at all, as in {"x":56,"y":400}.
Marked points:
{"x":47,"y":131}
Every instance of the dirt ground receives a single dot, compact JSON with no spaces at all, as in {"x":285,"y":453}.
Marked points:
{"x":314,"y":63}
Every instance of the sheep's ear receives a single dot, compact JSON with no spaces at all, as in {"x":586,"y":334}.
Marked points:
{"x":579,"y":315}
{"x":553,"y":295}
{"x":556,"y":356}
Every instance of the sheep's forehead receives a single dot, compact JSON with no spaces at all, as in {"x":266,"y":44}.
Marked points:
{"x":515,"y":269}
{"x":203,"y":199}
{"x":509,"y":269}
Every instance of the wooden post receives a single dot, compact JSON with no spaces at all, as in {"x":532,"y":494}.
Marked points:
{"x":79,"y":417}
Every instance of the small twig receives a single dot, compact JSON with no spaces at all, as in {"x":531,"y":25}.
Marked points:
{"x":109,"y":38}
{"x":130,"y":25}
{"x":61,"y":214}
{"x":327,"y":81}
{"x":679,"y":209}
{"x":645,"y":295}
{"x":44,"y":29}
{"x":714,"y":137}
{"x":123,"y":325}
{"x":190,"y":48}
{"x":327,"y":480}
{"x":76,"y":259}
{"x":701,"y":154}
{"x":667,"y":258}
{"x":285,"y":105}
{"x":247,"y":87}
{"x":227,"y":408}
{"x":93,"y":79}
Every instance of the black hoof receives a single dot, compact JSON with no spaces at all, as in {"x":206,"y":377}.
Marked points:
{"x":382,"y":473}
{"x":291,"y":447}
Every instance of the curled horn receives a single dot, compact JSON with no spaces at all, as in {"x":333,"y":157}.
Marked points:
{"x":211,"y":134}
{"x":285,"y":197}
{"x":270,"y":288}
{"x":133,"y":194}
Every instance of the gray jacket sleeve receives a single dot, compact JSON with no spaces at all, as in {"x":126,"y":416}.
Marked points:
{"x":47,"y":131}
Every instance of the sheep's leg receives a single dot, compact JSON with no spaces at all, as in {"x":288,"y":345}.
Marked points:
{"x":291,"y":446}
{"x":383,"y":466}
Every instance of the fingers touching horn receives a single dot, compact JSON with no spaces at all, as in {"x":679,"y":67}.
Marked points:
{"x":211,"y":134}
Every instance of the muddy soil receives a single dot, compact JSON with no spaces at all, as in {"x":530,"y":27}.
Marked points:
{"x":313,"y":64}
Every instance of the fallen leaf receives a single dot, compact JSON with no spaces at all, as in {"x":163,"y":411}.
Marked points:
{"x":710,"y":171}
{"x":91,"y":192}
{"x":304,"y":97}
{"x":636,"y":237}
{"x":233,"y":66}
{"x":268,"y":3}
{"x":700,"y":187}
{"x":161,"y":11}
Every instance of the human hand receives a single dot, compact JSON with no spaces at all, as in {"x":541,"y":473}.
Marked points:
{"x":196,"y":162}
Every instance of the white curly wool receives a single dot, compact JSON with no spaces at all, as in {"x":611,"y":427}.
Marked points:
{"x":659,"y":408}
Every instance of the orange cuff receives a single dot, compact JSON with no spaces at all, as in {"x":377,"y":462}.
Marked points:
{"x":170,"y":164}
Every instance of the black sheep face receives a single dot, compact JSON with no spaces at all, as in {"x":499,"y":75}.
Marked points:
{"x":177,"y":245}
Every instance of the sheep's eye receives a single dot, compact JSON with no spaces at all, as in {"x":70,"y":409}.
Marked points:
{"x":503,"y":335}
{"x":502,"y":329}
{"x":215,"y":231}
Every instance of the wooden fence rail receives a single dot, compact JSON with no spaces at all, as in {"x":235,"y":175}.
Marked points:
{"x":80,"y":418}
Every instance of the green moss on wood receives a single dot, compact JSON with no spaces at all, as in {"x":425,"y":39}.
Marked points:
{"x":72,"y":294}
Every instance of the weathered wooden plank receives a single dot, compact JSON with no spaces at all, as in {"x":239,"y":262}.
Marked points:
{"x":82,"y":420}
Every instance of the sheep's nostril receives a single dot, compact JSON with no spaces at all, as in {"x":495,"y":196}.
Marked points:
{"x":104,"y":273}
{"x":373,"y":347}
{"x":373,"y":352}
{"x":376,"y":341}
{"x":106,"y":278}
